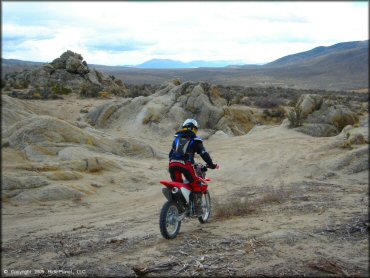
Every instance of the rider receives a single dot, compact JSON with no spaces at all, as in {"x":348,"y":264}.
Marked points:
{"x":181,"y":157}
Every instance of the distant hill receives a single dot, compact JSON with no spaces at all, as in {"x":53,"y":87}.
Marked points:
{"x":175,"y":64}
{"x":14,"y":65}
{"x":19,"y":62}
{"x":343,"y":66}
{"x":322,"y":52}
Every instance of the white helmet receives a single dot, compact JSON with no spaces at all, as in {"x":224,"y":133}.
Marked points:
{"x":190,"y":123}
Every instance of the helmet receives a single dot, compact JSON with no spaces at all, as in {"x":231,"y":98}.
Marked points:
{"x":190,"y":123}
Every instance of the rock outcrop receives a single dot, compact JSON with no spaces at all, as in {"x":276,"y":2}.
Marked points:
{"x":309,"y":103}
{"x":50,"y":153}
{"x":66,"y":74}
{"x":44,"y":136}
{"x":165,"y":110}
{"x":322,"y":118}
{"x":14,"y":110}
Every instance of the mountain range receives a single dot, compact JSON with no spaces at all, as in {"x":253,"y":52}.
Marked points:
{"x":342,"y":66}
{"x":298,"y":58}
{"x":175,"y":64}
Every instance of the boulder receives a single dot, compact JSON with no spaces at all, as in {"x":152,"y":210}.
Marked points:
{"x":61,"y":62}
{"x":352,"y":162}
{"x":336,"y":115}
{"x":318,"y":130}
{"x":74,"y":65}
{"x":309,"y":103}
{"x":26,"y":181}
{"x":75,"y":153}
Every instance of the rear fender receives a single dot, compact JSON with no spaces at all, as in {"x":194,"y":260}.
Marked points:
{"x":184,"y":188}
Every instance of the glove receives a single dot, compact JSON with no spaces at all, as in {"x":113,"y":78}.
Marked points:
{"x":213,"y":166}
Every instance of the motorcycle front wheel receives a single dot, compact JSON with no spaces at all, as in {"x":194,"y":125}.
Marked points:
{"x":169,"y":224}
{"x":206,"y":208}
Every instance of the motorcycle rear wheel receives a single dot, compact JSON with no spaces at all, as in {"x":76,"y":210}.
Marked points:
{"x":206,"y":208}
{"x":168,"y":222}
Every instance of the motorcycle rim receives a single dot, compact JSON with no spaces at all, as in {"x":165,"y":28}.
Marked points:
{"x":168,"y":222}
{"x":206,"y":208}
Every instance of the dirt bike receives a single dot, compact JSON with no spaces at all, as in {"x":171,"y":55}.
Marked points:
{"x":180,"y":203}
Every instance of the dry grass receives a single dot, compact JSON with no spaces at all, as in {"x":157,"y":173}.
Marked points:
{"x":243,"y":205}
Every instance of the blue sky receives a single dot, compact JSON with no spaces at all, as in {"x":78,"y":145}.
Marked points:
{"x":130,"y":33}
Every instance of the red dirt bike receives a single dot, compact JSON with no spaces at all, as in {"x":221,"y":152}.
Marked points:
{"x":180,"y":203}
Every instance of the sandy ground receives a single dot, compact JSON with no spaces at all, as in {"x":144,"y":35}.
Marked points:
{"x":306,"y":219}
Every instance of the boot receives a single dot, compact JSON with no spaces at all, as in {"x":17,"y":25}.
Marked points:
{"x":198,"y":203}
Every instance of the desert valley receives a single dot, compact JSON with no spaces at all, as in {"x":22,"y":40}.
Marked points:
{"x":84,"y":149}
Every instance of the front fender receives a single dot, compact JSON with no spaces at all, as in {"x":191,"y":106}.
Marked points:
{"x":167,"y":193}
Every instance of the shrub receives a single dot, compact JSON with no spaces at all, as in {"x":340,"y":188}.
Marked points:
{"x":295,"y":117}
{"x":116,"y":90}
{"x":152,"y":116}
{"x":242,"y":206}
{"x":238,"y":207}
{"x":105,"y":95}
{"x":177,"y":82}
{"x":119,"y":82}
{"x":22,"y":84}
{"x":3,"y":83}
{"x":246,"y":101}
{"x":214,"y":92}
{"x":60,"y":90}
{"x":293,"y":102}
{"x":267,"y":102}
{"x":274,"y":113}
{"x":88,"y":89}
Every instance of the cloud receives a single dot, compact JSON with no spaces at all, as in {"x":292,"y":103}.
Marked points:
{"x":114,"y":46}
{"x":133,"y":32}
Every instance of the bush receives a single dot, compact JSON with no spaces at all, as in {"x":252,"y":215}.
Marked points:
{"x":246,"y":101}
{"x":267,"y":102}
{"x":104,"y":94}
{"x":243,"y":205}
{"x":274,"y":113}
{"x":116,"y":90}
{"x":22,"y":84}
{"x":60,"y":90}
{"x":88,"y":89}
{"x":295,"y":117}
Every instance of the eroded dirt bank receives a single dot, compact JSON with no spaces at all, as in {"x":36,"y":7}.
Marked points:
{"x":305,"y":202}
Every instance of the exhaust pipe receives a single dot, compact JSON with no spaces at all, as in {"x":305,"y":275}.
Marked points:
{"x":175,"y":190}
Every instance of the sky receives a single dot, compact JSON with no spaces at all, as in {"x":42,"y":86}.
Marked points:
{"x":130,"y":33}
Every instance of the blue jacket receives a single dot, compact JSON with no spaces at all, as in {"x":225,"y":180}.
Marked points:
{"x":185,"y":145}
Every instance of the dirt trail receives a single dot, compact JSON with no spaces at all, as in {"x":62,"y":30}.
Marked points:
{"x":304,"y":219}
